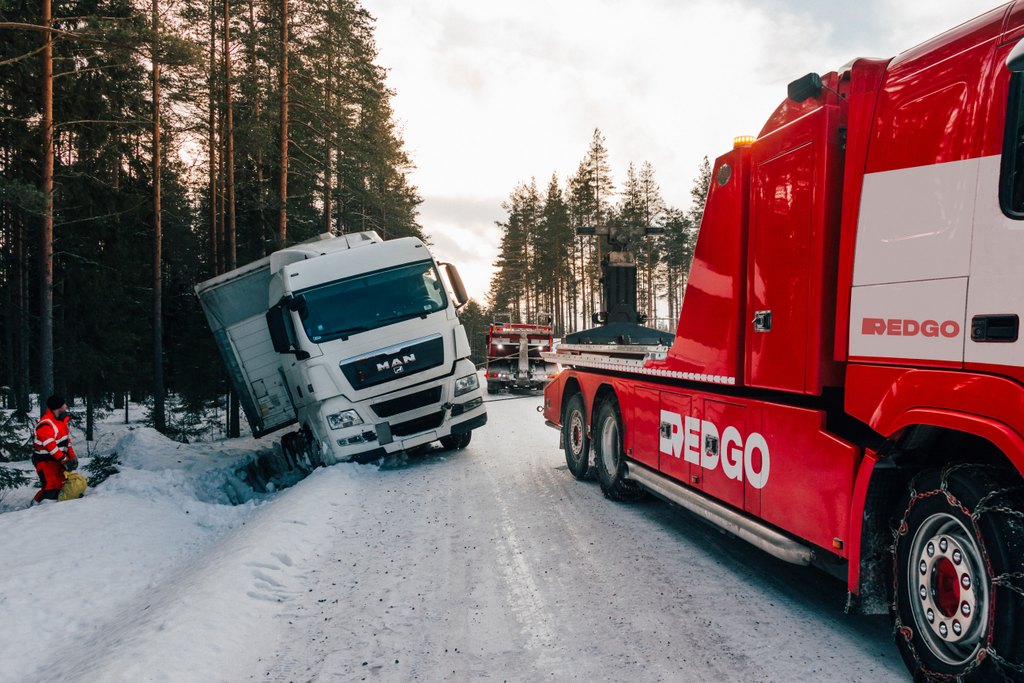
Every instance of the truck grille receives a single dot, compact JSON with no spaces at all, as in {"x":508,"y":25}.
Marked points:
{"x":404,"y":404}
{"x":420,"y":424}
{"x":395,"y":362}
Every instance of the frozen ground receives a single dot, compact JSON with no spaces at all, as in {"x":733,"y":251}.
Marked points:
{"x":487,"y":564}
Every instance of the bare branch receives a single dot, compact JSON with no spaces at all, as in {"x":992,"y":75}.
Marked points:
{"x":17,"y":26}
{"x":12,"y":60}
{"x":110,"y":121}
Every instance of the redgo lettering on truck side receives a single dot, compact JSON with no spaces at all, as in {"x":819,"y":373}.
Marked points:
{"x":895,"y":327}
{"x":736,"y":455}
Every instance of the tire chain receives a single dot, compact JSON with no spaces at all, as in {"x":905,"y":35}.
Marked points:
{"x":1005,"y":580}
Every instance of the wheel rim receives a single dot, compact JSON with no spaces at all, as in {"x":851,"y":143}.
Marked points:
{"x":948,"y":588}
{"x":576,"y":435}
{"x":610,"y":446}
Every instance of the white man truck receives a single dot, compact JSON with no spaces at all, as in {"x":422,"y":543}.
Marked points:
{"x":353,"y":338}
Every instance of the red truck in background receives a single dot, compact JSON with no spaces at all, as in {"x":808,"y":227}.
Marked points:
{"x":514,"y":357}
{"x":846,"y":384}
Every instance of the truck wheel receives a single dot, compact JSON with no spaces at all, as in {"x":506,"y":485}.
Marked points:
{"x":456,"y":442}
{"x":574,"y":437}
{"x":288,"y":445}
{"x":958,"y":558}
{"x":609,"y":459}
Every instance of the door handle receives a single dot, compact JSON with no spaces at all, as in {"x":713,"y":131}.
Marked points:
{"x":762,"y":321}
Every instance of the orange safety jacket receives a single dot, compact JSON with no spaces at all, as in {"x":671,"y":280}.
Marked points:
{"x":53,"y":439}
{"x":52,"y":451}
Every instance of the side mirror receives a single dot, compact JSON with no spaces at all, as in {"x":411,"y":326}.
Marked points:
{"x":1015,"y":60}
{"x":281,"y":335}
{"x":298,"y":304}
{"x":451,"y":273}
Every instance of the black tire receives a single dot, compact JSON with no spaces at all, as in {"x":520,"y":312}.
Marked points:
{"x":957,"y":562}
{"x":303,"y":448}
{"x":575,"y":439}
{"x":609,"y":455}
{"x":291,"y":450}
{"x":456,"y":442}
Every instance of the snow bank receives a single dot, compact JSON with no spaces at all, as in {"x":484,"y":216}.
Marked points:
{"x":213,"y":619}
{"x":71,"y":574}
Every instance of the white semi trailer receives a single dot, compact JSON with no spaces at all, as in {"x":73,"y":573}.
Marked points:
{"x":353,"y":338}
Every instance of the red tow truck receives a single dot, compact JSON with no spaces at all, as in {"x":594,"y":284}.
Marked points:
{"x":514,"y":357}
{"x":845,"y":388}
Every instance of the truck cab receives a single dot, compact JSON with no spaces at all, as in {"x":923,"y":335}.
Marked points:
{"x":514,"y":357}
{"x":354,"y":338}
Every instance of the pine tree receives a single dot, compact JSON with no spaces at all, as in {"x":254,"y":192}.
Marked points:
{"x":513,"y":288}
{"x":602,"y":191}
{"x":552,"y":254}
{"x":652,"y":212}
{"x":699,"y":192}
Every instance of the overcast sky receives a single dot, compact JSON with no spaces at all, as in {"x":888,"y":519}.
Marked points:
{"x":493,"y":93}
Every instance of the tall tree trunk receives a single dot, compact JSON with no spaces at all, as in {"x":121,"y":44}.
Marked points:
{"x":282,"y":213}
{"x":24,"y":324}
{"x":90,"y":415}
{"x":229,"y":131}
{"x":222,"y":196}
{"x":46,"y":238}
{"x":10,"y":310}
{"x":329,"y":134}
{"x":158,"y":320}
{"x":254,"y":74}
{"x":212,"y":145}
{"x":229,"y":196}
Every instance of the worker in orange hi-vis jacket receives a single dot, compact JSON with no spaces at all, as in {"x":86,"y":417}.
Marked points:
{"x":54,"y":456}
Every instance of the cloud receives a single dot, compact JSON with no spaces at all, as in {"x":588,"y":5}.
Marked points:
{"x":492,"y":94}
{"x":463,"y":231}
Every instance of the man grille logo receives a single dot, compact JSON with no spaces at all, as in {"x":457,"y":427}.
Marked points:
{"x":397,"y":364}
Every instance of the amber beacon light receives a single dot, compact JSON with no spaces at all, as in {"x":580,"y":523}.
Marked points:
{"x":743,"y":141}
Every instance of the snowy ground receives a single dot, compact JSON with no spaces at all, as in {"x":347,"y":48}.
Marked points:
{"x":490,"y":563}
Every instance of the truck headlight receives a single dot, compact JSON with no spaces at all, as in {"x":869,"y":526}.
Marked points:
{"x":464,"y":385}
{"x":346,"y":418}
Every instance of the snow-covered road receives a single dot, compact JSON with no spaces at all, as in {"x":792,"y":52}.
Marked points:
{"x":495,"y":564}
{"x":490,"y":563}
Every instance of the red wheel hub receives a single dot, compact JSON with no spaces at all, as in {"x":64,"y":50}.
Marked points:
{"x":947,"y":587}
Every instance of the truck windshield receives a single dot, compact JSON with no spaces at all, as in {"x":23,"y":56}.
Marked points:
{"x":365,"y":302}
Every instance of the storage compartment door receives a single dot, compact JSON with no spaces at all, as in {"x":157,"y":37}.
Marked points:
{"x":777,"y":304}
{"x":678,"y":438}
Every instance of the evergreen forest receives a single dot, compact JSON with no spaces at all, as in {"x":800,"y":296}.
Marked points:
{"x":147,"y":145}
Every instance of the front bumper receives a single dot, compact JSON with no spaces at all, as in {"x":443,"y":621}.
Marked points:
{"x":403,"y":419}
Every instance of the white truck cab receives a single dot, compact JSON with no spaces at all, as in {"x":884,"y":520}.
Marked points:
{"x":354,"y":338}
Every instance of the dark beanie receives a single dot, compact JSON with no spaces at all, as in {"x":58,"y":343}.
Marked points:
{"x":55,"y":402}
